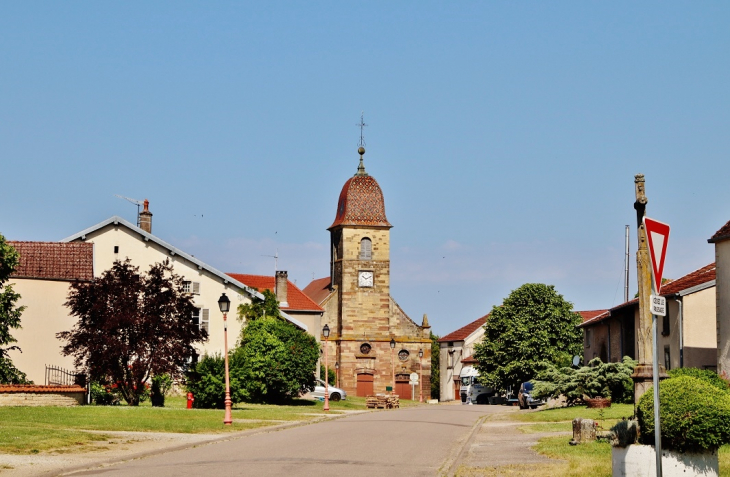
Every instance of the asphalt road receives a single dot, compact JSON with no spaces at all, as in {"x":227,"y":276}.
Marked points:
{"x":417,"y":441}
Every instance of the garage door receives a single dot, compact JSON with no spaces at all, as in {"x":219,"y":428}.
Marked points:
{"x":364,"y":385}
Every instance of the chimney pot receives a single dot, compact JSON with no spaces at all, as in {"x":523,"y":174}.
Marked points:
{"x":145,"y":218}
{"x":282,"y":277}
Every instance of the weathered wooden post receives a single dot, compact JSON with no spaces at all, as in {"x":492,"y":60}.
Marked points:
{"x":643,"y":373}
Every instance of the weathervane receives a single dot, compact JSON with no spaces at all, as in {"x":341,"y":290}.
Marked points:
{"x":362,"y":129}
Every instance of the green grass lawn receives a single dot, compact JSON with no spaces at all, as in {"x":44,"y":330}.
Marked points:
{"x":27,"y":430}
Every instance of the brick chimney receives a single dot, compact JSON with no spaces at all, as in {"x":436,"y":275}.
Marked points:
{"x":145,"y":218}
{"x":281,"y":288}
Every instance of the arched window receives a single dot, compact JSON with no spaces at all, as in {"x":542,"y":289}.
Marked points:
{"x":366,"y":249}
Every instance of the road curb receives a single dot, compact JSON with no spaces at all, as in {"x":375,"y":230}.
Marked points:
{"x":460,"y":451}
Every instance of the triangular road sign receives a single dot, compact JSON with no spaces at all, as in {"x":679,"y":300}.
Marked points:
{"x":657,"y":235}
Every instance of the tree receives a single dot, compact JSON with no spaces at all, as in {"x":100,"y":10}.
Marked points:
{"x":131,"y":327}
{"x":535,"y":327}
{"x":9,"y":315}
{"x":275,"y":361}
{"x":435,"y":367}
{"x":268,"y":307}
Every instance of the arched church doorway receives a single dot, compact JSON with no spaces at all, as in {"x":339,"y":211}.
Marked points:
{"x":402,"y":388}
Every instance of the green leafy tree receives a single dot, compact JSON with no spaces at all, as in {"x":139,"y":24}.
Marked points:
{"x":9,"y":315}
{"x":331,"y":375}
{"x":132,"y":327}
{"x":534,"y":328}
{"x":435,"y":367}
{"x":275,"y":361}
{"x":268,"y":307}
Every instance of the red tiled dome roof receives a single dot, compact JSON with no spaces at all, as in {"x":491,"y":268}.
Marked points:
{"x":361,"y":203}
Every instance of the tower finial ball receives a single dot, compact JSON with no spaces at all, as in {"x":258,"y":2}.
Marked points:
{"x":361,"y":150}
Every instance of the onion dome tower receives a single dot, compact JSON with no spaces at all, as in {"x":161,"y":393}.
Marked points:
{"x":361,"y":201}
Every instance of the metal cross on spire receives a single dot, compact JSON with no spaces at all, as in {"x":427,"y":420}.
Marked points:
{"x":362,"y":129}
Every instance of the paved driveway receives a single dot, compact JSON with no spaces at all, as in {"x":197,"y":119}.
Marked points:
{"x":418,"y":441}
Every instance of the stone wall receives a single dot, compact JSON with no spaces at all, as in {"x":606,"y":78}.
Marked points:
{"x":34,"y":395}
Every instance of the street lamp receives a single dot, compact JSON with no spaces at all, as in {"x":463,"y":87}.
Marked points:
{"x":225,"y":304}
{"x":392,"y":361}
{"x":337,"y":373}
{"x":326,"y":334}
{"x":420,"y":385}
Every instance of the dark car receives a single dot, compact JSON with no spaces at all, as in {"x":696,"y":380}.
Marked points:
{"x":525,"y":399}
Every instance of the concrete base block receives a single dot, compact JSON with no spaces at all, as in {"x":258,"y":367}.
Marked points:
{"x":639,"y":460}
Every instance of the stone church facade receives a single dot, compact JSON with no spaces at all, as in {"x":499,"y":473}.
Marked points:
{"x":363,"y":318}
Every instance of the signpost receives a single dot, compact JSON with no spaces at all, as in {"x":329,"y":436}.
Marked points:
{"x":413,"y":382}
{"x":657,"y":235}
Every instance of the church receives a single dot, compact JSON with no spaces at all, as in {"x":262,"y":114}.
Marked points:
{"x":373,"y":343}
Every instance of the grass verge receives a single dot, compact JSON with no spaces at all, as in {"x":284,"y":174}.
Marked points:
{"x":28,"y":430}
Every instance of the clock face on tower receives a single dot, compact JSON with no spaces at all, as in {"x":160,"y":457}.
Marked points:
{"x":365,"y":279}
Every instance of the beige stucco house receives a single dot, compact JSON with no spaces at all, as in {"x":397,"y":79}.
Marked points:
{"x":721,"y":240}
{"x":456,"y":350}
{"x":687,"y":334}
{"x":42,"y":278}
{"x":116,"y":239}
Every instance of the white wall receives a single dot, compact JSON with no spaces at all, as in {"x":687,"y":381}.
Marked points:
{"x":44,"y":316}
{"x":145,"y":253}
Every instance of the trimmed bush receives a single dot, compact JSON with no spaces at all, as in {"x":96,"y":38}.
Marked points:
{"x":207,"y":382}
{"x":694,"y":415}
{"x":705,"y":375}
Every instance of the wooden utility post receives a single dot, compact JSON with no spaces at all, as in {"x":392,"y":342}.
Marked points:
{"x":643,"y":373}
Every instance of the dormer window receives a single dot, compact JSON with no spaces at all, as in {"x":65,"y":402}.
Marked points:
{"x":366,"y":249}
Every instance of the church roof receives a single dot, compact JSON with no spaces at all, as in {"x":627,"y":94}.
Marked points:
{"x":361,"y":201}
{"x":318,"y":289}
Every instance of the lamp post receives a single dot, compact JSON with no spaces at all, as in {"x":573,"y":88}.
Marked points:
{"x":420,"y":384}
{"x":392,"y":361}
{"x":225,"y":304}
{"x":337,"y":373}
{"x":326,"y":334}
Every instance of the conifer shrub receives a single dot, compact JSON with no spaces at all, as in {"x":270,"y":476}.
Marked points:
{"x":695,"y":415}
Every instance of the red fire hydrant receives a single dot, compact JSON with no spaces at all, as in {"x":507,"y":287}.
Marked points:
{"x":190,"y":400}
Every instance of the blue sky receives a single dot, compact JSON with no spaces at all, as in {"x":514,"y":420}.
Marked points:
{"x":505,"y":135}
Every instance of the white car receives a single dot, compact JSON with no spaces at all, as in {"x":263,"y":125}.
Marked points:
{"x":335,"y":393}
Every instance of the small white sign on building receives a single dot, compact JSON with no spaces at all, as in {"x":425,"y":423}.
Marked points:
{"x":658,"y":305}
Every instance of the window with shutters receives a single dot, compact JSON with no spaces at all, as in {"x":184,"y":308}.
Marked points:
{"x":191,"y":287}
{"x":366,"y":249}
{"x":205,"y":320}
{"x":201,"y":319}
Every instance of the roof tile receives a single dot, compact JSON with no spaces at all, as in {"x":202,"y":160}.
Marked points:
{"x":463,"y":332}
{"x":318,"y":289}
{"x":722,"y":234}
{"x":54,"y":260}
{"x":296,"y":299}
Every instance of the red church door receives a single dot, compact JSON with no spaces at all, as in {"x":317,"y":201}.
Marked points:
{"x":403,"y":389}
{"x":364,"y":385}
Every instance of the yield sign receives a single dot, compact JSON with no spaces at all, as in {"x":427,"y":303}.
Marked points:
{"x":657,"y":234}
